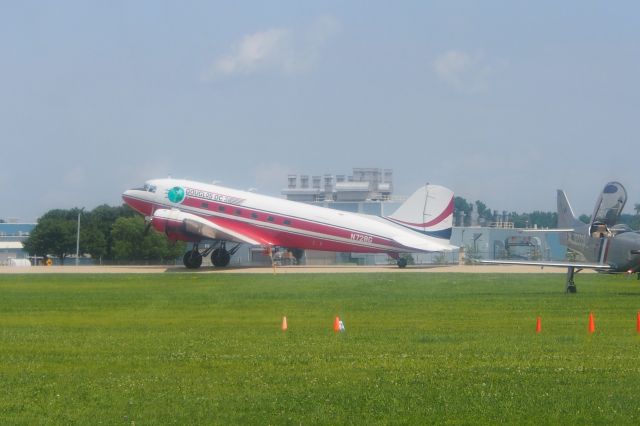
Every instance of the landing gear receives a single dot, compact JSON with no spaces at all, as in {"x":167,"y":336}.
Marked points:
{"x":192,"y":259}
{"x":571,"y":285}
{"x":298,"y":254}
{"x":402,"y":262}
{"x":220,"y":257}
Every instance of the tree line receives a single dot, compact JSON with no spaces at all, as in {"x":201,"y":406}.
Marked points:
{"x":111,"y":234}
{"x":540,"y":219}
{"x":463,"y":209}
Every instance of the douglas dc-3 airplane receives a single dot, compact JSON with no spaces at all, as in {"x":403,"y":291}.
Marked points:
{"x":607,"y":246}
{"x":197,"y":212}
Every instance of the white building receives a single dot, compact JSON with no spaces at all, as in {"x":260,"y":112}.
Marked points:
{"x":364,"y":184}
{"x":12,"y":236}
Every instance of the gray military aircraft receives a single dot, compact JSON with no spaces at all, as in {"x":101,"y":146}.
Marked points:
{"x":606,"y":246}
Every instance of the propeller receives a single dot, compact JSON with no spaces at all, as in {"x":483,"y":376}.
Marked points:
{"x":148,"y":220}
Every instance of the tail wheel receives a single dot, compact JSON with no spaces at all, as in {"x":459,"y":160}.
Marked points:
{"x":192,"y":259}
{"x":220,"y":257}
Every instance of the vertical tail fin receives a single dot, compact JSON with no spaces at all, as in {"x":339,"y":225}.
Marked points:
{"x":428,"y":211}
{"x":566,"y":218}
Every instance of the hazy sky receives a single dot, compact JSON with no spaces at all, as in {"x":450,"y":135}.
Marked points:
{"x":500,"y":101}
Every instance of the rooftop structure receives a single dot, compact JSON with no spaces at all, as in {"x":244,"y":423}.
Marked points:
{"x":363,"y":185}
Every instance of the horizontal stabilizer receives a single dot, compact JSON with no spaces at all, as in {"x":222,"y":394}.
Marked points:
{"x":419,"y":243}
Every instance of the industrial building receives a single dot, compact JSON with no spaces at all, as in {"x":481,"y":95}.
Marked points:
{"x":363,"y":184}
{"x":506,"y":242}
{"x":12,"y":235}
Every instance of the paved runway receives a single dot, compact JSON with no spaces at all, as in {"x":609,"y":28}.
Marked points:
{"x":475,"y":269}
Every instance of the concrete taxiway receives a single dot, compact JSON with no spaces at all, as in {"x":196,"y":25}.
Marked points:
{"x":473,"y":269}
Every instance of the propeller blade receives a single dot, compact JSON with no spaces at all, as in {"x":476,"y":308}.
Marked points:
{"x":148,"y":220}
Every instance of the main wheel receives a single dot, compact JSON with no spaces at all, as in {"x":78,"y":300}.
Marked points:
{"x":298,"y":254}
{"x":220,"y":257}
{"x":402,"y":262}
{"x":192,"y":259}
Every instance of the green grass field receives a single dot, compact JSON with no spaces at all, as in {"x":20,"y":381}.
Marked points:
{"x":418,"y":348}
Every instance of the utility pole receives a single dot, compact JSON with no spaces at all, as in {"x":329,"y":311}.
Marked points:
{"x":78,"y":240}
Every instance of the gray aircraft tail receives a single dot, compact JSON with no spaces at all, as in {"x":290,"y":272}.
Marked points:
{"x":566,"y":218}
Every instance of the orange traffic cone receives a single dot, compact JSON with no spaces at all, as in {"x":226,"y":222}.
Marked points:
{"x":638,"y":322}
{"x":592,"y":325}
{"x":336,"y":324}
{"x":538,"y":325}
{"x":284,"y":324}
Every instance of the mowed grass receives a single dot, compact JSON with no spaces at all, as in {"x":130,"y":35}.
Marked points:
{"x":192,"y":348}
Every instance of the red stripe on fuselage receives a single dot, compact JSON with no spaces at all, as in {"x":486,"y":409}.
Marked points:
{"x":442,"y":216}
{"x":291,"y":236}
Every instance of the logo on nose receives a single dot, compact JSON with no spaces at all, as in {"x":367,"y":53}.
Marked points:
{"x":176,"y":194}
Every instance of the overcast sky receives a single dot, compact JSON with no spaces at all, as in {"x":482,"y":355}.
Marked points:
{"x":500,"y":101}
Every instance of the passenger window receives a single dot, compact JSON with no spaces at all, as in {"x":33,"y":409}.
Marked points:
{"x":205,"y":205}
{"x":254,"y":215}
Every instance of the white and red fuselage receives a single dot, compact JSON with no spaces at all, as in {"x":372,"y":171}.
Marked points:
{"x":194,"y":211}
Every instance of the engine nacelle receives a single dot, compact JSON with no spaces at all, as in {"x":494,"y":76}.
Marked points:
{"x":174,"y":229}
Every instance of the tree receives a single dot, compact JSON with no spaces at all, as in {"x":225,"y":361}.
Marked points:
{"x":92,"y":241}
{"x":460,"y":205}
{"x":54,"y":235}
{"x":483,"y":211}
{"x":131,"y":243}
{"x":100,"y":220}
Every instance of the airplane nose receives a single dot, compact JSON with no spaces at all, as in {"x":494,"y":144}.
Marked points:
{"x":128,"y":193}
{"x":135,"y":199}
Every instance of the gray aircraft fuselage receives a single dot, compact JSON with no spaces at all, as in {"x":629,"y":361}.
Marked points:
{"x":603,"y":241}
{"x":621,"y":251}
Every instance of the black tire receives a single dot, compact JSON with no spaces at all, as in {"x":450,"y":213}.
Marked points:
{"x":298,"y":254}
{"x":402,"y":263}
{"x":220,"y":258}
{"x":192,"y":260}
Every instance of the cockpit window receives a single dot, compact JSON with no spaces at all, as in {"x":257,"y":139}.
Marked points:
{"x":149,"y":187}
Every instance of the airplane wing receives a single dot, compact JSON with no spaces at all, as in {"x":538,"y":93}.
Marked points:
{"x":423,"y":243}
{"x":197,"y":226}
{"x":558,"y":264}
{"x":550,"y":231}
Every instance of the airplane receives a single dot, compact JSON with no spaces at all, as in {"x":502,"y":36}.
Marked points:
{"x":606,"y":246}
{"x":197,"y":212}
